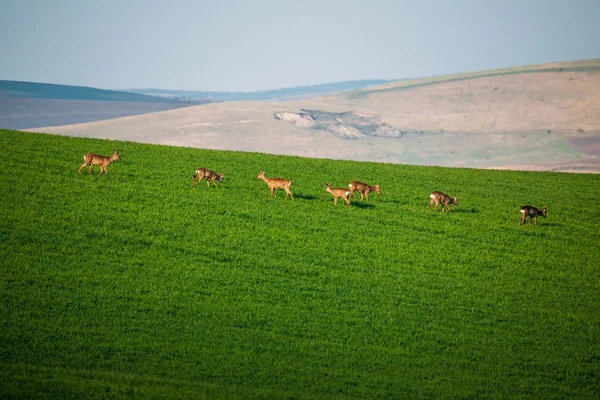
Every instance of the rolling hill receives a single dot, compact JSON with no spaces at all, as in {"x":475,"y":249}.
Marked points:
{"x":294,"y":93}
{"x":30,"y":104}
{"x":544,"y":117}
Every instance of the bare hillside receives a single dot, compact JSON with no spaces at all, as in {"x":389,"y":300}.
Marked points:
{"x":543,"y":117}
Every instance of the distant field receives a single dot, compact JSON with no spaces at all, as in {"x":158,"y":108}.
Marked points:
{"x":25,"y":105}
{"x":26,"y":113}
{"x":19,"y":89}
{"x":136,"y":284}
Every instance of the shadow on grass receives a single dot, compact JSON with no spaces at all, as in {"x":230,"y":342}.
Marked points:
{"x":304,"y":196}
{"x":363,"y":205}
{"x":390,"y":201}
{"x":464,"y":210}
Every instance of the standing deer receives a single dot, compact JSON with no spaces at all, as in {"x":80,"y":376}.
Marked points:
{"x":363,"y":189}
{"x":277,"y":183}
{"x":532,"y":213}
{"x":90,"y":159}
{"x":439,"y":197}
{"x":210,"y":176}
{"x":338,"y":192}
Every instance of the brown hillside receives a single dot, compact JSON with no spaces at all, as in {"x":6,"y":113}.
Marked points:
{"x":536,"y":117}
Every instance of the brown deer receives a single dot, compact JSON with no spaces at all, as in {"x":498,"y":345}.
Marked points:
{"x":277,"y":183}
{"x":439,"y":197}
{"x":210,"y":176}
{"x":363,"y":189}
{"x":102,"y":161}
{"x":532,"y":213}
{"x":338,"y":192}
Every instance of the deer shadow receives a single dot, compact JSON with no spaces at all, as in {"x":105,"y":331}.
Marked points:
{"x":363,"y":205}
{"x":304,"y":196}
{"x":471,"y":210}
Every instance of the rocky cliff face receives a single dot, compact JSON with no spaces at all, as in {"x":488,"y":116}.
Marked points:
{"x":345,"y":125}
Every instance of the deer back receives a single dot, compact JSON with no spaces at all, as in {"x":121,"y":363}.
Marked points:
{"x":97,"y":159}
{"x":277,"y":183}
{"x":533,"y":212}
{"x":337,"y":192}
{"x":209,"y":174}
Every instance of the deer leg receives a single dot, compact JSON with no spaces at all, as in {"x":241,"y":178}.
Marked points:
{"x":367,"y":195}
{"x":335,"y":201}
{"x":90,"y":168}
{"x":287,"y":191}
{"x":535,"y":220}
{"x":82,"y":165}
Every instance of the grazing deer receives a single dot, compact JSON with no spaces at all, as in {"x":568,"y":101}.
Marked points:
{"x":338,"y":192}
{"x":532,"y":213}
{"x":363,"y":189}
{"x":439,"y":197}
{"x":102,"y":161}
{"x":210,"y":176}
{"x":277,"y":183}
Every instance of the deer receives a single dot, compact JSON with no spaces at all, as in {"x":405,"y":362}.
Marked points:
{"x":90,"y":159}
{"x":338,"y":192}
{"x":363,"y":189}
{"x":210,"y":176}
{"x":532,"y":213}
{"x":439,"y":197}
{"x":277,"y":183}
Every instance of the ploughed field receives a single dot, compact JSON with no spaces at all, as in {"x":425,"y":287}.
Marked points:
{"x":136,"y":283}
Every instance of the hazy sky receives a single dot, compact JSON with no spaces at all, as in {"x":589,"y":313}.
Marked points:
{"x":255,"y":45}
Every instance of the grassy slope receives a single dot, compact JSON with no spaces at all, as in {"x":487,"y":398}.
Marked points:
{"x":136,"y":283}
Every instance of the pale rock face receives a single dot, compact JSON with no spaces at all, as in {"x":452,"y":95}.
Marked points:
{"x":298,"y":119}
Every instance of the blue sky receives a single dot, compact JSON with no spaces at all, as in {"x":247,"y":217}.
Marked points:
{"x":258,"y":45}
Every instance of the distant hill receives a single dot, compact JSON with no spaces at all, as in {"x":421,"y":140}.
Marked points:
{"x":295,"y":93}
{"x":544,"y":117}
{"x":25,"y":105}
{"x":36,"y":90}
{"x":30,"y":105}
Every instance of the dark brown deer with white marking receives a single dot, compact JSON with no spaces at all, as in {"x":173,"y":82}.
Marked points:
{"x":363,"y":189}
{"x":337,"y":193}
{"x":90,"y":159}
{"x":277,"y":183}
{"x":439,"y":197}
{"x":532,"y":213}
{"x":210,"y":176}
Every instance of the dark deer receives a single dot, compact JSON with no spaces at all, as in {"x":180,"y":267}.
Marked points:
{"x":439,"y":197}
{"x":277,"y":183}
{"x":363,"y":189}
{"x":90,"y":159}
{"x":210,"y":176}
{"x":532,"y":213}
{"x":338,"y":192}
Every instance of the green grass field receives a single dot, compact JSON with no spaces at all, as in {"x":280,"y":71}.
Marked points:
{"x":136,"y":284}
